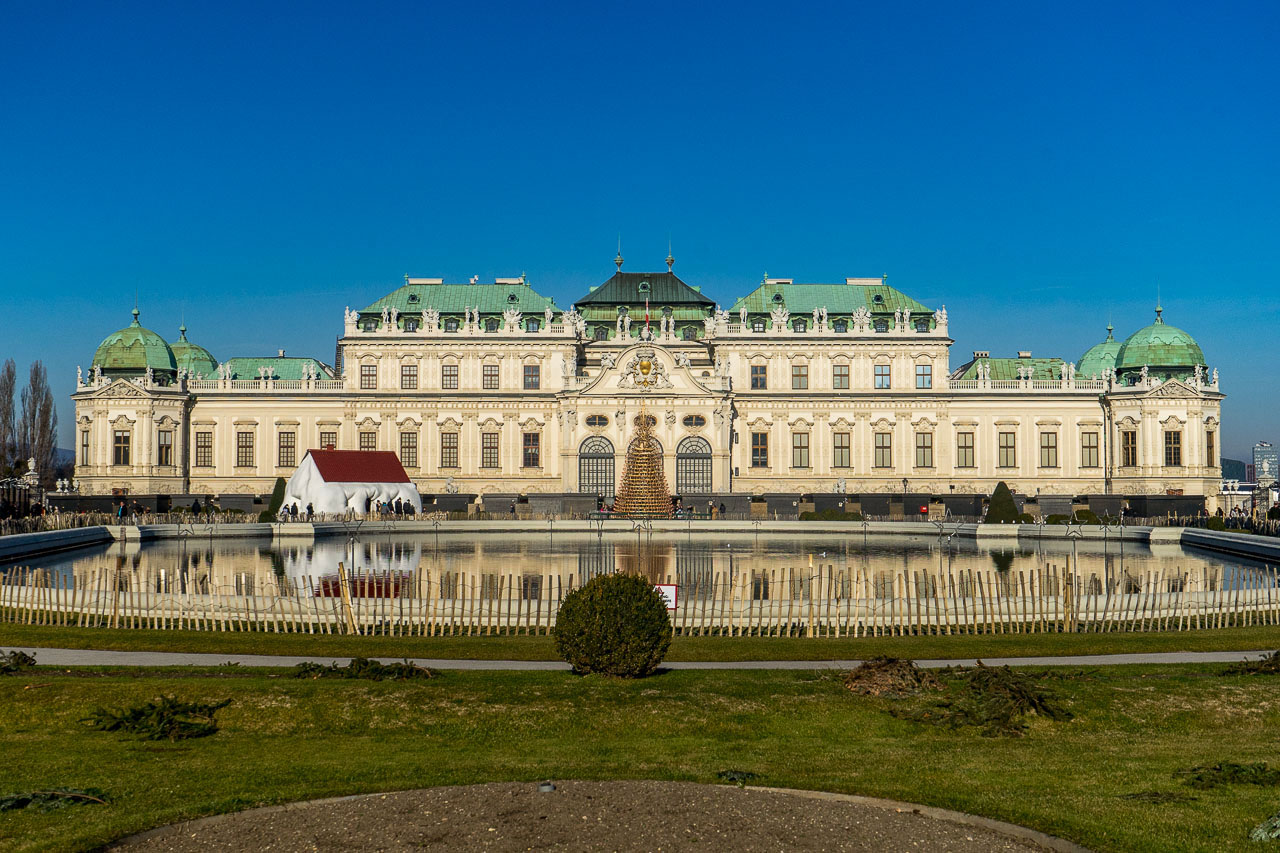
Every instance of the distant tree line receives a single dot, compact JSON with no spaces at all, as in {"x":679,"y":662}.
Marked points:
{"x":28,"y":430}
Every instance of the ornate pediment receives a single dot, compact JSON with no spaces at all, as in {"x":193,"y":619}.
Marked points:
{"x":1172,"y":388}
{"x":644,"y":371}
{"x":120,"y":388}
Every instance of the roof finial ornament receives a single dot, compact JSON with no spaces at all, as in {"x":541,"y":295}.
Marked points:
{"x":1159,"y":308}
{"x":406,"y":278}
{"x":135,"y":315}
{"x":618,"y":259}
{"x":670,"y":260}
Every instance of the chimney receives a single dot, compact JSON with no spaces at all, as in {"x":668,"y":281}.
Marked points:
{"x":280,"y":353}
{"x":981,"y":353}
{"x":1024,"y":353}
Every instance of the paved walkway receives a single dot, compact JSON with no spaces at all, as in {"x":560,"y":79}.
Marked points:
{"x":95,"y":657}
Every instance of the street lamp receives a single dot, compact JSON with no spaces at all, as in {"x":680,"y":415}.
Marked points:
{"x":904,"y":498}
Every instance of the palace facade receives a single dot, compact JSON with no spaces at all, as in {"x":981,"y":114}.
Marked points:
{"x":796,"y":388}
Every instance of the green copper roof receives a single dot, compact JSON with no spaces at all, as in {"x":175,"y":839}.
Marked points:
{"x":456,"y":298}
{"x":628,"y":288}
{"x":281,"y":368}
{"x":194,"y":359}
{"x":134,"y":349}
{"x":1007,"y":368}
{"x":1099,"y":357}
{"x":1159,"y":346}
{"x":838,"y":299}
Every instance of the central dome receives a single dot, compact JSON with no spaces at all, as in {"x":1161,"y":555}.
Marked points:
{"x":1167,"y":351}
{"x":132,"y":350}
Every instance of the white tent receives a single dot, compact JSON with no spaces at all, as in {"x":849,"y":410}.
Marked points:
{"x":349,"y":481}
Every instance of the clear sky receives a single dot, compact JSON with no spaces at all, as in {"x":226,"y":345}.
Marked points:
{"x":256,"y":167}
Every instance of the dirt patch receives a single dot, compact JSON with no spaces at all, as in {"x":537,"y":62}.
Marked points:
{"x":580,"y":816}
{"x":890,"y":677}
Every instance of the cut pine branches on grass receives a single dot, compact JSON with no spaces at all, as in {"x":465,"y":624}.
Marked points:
{"x":166,"y":718}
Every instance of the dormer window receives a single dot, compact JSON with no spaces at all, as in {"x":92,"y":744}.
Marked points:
{"x":602,"y":333}
{"x":451,"y":324}
{"x":840,"y":326}
{"x":757,"y":325}
{"x":532,"y":324}
{"x":881,"y":325}
{"x":688,"y":333}
{"x":877,"y":299}
{"x":922,"y":326}
{"x":777,"y":297}
{"x":644,"y":286}
{"x":411,"y":324}
{"x":491,"y":324}
{"x":369,"y":325}
{"x":799,"y":325}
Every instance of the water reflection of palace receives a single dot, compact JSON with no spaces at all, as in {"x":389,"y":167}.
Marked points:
{"x":535,"y":567}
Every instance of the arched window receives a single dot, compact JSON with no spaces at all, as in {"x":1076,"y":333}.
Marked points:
{"x":881,"y":325}
{"x":922,"y":325}
{"x":451,"y":324}
{"x":840,"y":326}
{"x":693,"y":466}
{"x":491,"y":324}
{"x":595,"y":467}
{"x":757,"y":324}
{"x":532,"y":324}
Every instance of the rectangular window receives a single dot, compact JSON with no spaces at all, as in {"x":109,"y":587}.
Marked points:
{"x":1089,"y":450}
{"x":328,"y":441}
{"x":409,"y":449}
{"x":799,"y":376}
{"x":924,"y":375}
{"x":204,"y":450}
{"x":368,"y":441}
{"x":489,"y":450}
{"x":1008,"y":447}
{"x":449,"y":376}
{"x":164,"y":447}
{"x":840,"y":377}
{"x":1048,"y":450}
{"x":448,"y":450}
{"x":884,"y":450}
{"x":759,"y":377}
{"x":409,"y":377}
{"x":800,"y":450}
{"x":882,"y":375}
{"x":1129,"y":448}
{"x":1173,"y":449}
{"x":965,"y":457}
{"x":244,"y":450}
{"x":531,"y":456}
{"x":1210,"y":457}
{"x":84,"y":447}
{"x":759,"y":450}
{"x":532,"y":377}
{"x":288,"y":449}
{"x":924,"y":450}
{"x":840,"y":450}
{"x":489,"y":377}
{"x":120,"y":447}
{"x":368,"y":376}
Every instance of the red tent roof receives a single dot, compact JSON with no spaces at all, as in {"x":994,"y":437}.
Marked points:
{"x":359,"y":466}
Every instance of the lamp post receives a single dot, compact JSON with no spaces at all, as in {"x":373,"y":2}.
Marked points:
{"x":904,"y":498}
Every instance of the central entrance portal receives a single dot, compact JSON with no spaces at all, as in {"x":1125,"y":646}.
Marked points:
{"x":595,"y":467}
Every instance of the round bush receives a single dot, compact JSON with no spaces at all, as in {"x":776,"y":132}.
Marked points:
{"x":614,"y":625}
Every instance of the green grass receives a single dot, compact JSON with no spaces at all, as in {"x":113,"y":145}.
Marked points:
{"x":540,"y":647}
{"x":284,"y":739}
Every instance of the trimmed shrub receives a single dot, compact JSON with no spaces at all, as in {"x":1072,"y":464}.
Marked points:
{"x":1002,"y":509}
{"x":277,"y":500}
{"x":1273,"y":514}
{"x":1215,"y":523}
{"x":614,"y":625}
{"x":831,"y":515}
{"x":1087,"y":516}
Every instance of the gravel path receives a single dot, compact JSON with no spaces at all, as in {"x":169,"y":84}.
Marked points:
{"x":102,"y":657}
{"x":594,"y":816}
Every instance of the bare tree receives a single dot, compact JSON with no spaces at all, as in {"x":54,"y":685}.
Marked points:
{"x":38,"y":427}
{"x":8,"y":436}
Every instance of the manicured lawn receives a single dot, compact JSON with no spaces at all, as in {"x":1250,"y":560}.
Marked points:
{"x":284,"y":739}
{"x":540,"y":647}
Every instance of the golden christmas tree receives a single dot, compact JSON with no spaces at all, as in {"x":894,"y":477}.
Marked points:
{"x":643,"y":491}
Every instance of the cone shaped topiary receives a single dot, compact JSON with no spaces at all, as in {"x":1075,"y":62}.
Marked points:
{"x":614,"y":625}
{"x":1001,"y":509}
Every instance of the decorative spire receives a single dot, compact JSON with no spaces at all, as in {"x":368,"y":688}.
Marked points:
{"x":618,"y":259}
{"x":182,"y":332}
{"x":1159,"y":308}
{"x":135,"y":316}
{"x":1110,"y":329}
{"x":670,"y":260}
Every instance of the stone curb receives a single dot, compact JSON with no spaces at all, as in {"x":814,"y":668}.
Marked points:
{"x":1012,"y":830}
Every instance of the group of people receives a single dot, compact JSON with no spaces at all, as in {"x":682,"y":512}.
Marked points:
{"x":390,"y":509}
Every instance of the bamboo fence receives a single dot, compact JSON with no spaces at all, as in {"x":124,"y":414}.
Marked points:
{"x":819,"y":601}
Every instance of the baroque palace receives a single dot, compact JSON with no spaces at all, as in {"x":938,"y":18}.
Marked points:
{"x":491,"y":389}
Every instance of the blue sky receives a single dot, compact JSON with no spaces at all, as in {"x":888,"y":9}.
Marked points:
{"x":257,"y":167}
